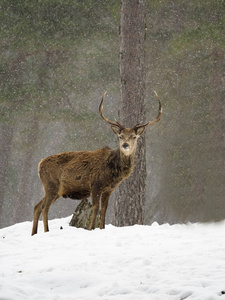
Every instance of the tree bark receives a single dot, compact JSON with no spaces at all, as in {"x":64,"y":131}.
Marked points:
{"x":130,"y":196}
{"x":22,"y":207}
{"x":83,"y":215}
{"x":6,"y":135}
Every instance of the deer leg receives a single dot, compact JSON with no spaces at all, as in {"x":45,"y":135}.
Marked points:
{"x":37,"y":212}
{"x":45,"y":210}
{"x":95,"y":207}
{"x":104,"y":205}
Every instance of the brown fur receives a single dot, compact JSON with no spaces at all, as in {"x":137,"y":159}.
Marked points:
{"x":83,"y":174}
{"x":79,"y":175}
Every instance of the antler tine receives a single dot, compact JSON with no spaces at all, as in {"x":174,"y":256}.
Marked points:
{"x":157,"y":118}
{"x":104,"y":118}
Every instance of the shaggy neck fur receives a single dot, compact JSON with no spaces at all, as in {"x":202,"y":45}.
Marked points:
{"x":126,"y":162}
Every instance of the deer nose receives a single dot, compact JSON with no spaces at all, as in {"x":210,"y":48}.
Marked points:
{"x":125,"y":145}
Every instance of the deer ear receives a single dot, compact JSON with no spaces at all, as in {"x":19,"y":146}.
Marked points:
{"x":116,"y":129}
{"x":140,"y":130}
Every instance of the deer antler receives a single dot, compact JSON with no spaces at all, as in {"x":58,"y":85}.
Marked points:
{"x":104,"y":118}
{"x":156,"y":119}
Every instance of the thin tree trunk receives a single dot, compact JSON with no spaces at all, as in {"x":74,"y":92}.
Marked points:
{"x":217,"y":139}
{"x":130,"y":196}
{"x":6,"y":135}
{"x":23,"y":207}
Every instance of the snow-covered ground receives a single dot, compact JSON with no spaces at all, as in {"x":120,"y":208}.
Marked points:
{"x":136,"y":263}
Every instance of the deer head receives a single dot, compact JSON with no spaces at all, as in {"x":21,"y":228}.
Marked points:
{"x":128,"y":136}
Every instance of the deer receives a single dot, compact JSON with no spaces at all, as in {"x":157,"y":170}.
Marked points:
{"x":96,"y":174}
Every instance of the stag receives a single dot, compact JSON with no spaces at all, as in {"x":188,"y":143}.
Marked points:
{"x":79,"y":175}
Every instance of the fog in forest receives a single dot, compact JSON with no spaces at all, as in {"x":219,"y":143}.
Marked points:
{"x":57,"y":60}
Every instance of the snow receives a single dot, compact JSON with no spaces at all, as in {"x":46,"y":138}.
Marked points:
{"x":132,"y":263}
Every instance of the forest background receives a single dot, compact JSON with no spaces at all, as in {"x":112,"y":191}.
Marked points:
{"x":57,"y":60}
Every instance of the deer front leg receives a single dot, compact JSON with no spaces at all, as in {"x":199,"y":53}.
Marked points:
{"x":104,"y":205}
{"x":95,"y":207}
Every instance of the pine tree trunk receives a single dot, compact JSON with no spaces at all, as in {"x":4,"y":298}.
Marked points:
{"x":22,"y":206}
{"x":6,"y":135}
{"x":83,"y":215}
{"x":130,"y":196}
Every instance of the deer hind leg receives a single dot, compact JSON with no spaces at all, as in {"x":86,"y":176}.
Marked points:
{"x":45,"y":210}
{"x":37,"y":212}
{"x":51,"y":195}
{"x":95,"y":207}
{"x":41,"y":207}
{"x":50,"y":199}
{"x":104,"y":205}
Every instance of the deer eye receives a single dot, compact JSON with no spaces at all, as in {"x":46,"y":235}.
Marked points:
{"x":134,"y":137}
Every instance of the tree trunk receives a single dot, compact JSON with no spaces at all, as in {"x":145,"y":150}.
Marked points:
{"x":22,"y":207}
{"x":83,"y":215}
{"x":6,"y":135}
{"x":130,"y":196}
{"x":217,"y":138}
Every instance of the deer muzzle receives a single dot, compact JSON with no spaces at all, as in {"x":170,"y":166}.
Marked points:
{"x":126,"y":146}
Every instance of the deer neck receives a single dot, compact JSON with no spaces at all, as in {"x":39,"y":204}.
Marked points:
{"x":127,"y":162}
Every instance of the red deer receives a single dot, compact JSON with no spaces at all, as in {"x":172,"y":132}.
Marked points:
{"x":79,"y":175}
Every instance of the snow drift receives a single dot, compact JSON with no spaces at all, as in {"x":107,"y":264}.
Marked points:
{"x":138,"y":262}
